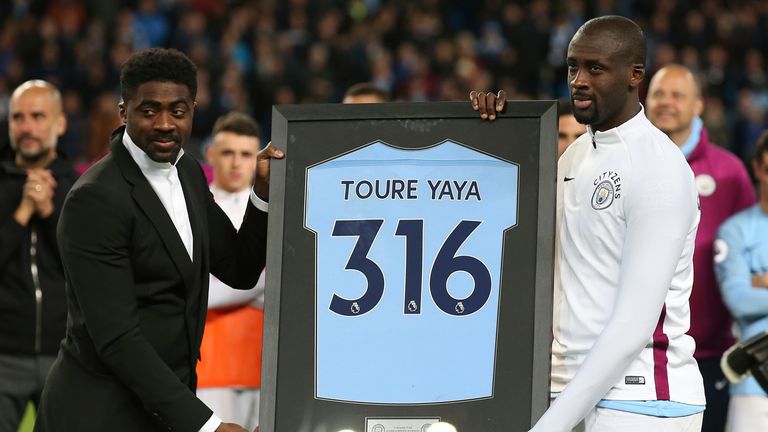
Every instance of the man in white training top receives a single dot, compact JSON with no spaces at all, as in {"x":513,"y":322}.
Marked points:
{"x":627,"y":215}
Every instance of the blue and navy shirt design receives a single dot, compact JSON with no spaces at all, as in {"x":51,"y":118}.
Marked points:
{"x":409,"y":248}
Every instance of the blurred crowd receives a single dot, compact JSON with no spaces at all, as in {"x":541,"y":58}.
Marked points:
{"x":252,"y":54}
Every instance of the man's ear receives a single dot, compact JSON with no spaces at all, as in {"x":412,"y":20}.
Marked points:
{"x":637,"y":75}
{"x":122,"y":111}
{"x":698,"y":106}
{"x":61,"y":125}
{"x":210,"y":155}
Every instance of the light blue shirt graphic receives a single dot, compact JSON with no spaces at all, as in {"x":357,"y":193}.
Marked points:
{"x":409,"y":251}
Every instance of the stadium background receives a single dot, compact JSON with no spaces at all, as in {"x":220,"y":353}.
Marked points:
{"x":252,"y":54}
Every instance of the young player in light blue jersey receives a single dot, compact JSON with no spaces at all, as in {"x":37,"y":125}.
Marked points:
{"x":741,"y":264}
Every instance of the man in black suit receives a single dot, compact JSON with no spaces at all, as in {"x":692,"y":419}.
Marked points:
{"x":139,"y":234}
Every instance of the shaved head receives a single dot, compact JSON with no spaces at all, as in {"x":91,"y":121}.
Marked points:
{"x":674,"y":101}
{"x":45,"y":88}
{"x":626,"y":36}
{"x":606,"y":65}
{"x":677,"y":71}
{"x":35,"y":122}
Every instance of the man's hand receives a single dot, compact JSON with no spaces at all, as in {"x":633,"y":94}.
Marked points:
{"x":230,"y":427}
{"x":40,"y":188}
{"x":760,"y":280}
{"x":25,"y":210}
{"x":488,"y":103}
{"x":261,"y":182}
{"x":36,"y":196}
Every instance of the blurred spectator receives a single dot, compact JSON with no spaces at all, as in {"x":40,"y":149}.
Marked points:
{"x":568,"y":128}
{"x":150,"y":26}
{"x":741,"y":261}
{"x":750,"y":121}
{"x":674,"y":105}
{"x":229,"y":372}
{"x":71,"y":142}
{"x":102,"y":120}
{"x":33,"y":183}
{"x":365,"y":93}
{"x":259,"y":53}
{"x":715,"y":120}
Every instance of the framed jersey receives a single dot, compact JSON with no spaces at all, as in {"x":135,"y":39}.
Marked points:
{"x":410,"y":268}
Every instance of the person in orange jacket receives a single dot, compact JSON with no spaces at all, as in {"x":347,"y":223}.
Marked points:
{"x":229,"y":372}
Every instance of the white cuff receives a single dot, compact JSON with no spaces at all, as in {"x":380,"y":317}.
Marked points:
{"x":211,"y":425}
{"x":258,"y":202}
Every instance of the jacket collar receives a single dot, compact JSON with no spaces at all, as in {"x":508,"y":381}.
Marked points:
{"x":151,"y":205}
{"x":701,"y":147}
{"x":614,"y":135}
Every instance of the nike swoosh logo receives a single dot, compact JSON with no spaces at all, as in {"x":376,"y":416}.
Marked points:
{"x":565,"y":179}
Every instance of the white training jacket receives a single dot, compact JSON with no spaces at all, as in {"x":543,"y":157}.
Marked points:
{"x":627,"y":213}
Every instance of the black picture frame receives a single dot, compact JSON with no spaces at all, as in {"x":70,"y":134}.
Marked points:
{"x":525,"y":133}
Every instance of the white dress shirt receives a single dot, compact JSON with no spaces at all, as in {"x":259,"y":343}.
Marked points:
{"x":164,"y":179}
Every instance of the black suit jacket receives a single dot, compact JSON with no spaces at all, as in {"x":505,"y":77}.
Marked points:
{"x":136,"y":301}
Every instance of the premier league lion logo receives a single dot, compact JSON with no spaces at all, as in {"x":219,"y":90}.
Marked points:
{"x":460,"y":308}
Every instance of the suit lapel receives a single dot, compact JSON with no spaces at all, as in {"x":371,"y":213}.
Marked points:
{"x":153,"y":208}
{"x":195,"y":204}
{"x":197,"y":209}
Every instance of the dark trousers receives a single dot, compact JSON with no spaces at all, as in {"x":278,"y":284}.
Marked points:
{"x":716,"y":390}
{"x":21,"y":381}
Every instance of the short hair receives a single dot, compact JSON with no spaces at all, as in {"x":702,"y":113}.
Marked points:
{"x":238,"y":123}
{"x":157,"y":64}
{"x":367,"y":88}
{"x":632,"y":44}
{"x":564,"y":107}
{"x":53,"y":91}
{"x":761,"y":148}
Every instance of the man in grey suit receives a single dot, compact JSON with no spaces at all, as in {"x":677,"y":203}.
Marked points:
{"x":139,"y":233}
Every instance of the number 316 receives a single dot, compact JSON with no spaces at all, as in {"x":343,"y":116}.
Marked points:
{"x":445,"y":264}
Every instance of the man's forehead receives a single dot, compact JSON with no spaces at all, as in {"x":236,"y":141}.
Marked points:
{"x":38,"y":102}
{"x":597,"y":45}
{"x":680,"y":79}
{"x":163,"y":90}
{"x":675,"y":81}
{"x":234,"y":141}
{"x":33,"y":94}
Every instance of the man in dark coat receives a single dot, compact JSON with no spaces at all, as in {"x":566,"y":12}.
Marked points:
{"x":139,"y":234}
{"x":33,"y":184}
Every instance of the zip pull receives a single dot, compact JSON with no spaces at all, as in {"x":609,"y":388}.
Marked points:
{"x":35,"y":271}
